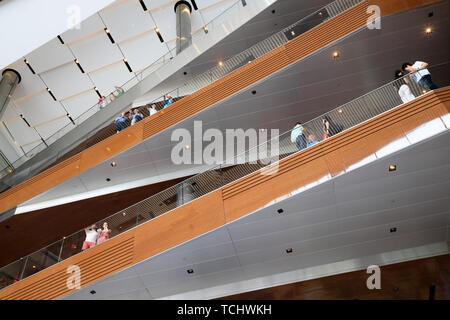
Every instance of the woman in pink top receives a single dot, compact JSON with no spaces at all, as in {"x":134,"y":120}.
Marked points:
{"x":104,"y":234}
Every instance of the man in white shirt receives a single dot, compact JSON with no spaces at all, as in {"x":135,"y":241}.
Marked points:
{"x":422,"y":76}
{"x":298,"y":137}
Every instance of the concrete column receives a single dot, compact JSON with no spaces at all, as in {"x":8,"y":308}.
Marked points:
{"x":10,"y":79}
{"x":183,"y":12}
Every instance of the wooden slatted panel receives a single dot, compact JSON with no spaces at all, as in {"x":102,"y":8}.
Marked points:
{"x":93,"y":267}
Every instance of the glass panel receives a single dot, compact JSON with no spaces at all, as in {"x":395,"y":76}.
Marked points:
{"x":11,"y":273}
{"x":42,"y":259}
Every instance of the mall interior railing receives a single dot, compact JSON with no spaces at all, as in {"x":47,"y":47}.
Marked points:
{"x":255,"y":158}
{"x":234,"y":63}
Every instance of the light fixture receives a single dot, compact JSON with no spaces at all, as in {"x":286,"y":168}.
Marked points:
{"x":205,"y":28}
{"x":108,"y":33}
{"x":190,"y":271}
{"x":124,"y":214}
{"x":50,"y":92}
{"x":187,"y":146}
{"x":34,"y":267}
{"x":93,"y":292}
{"x":127,"y":64}
{"x":29,"y":66}
{"x":289,"y":250}
{"x":98,"y":92}
{"x":392,"y":167}
{"x":293,"y":33}
{"x":77,"y":62}
{"x":9,"y":170}
{"x":280,"y":210}
{"x":159,"y":34}
{"x":335,"y":55}
{"x":108,"y":179}
{"x":113,"y":164}
{"x":424,"y":91}
{"x":340,"y":111}
{"x":221,"y":63}
{"x":393,"y":230}
{"x":429,"y":30}
{"x":144,"y":7}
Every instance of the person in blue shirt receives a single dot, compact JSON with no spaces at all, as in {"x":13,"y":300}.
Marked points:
{"x":298,"y":137}
{"x":121,"y":123}
{"x":312,"y":140}
{"x":169,"y":102}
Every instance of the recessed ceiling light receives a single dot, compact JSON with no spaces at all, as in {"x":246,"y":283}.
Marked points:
{"x":340,"y":111}
{"x":424,"y":91}
{"x":34,"y":267}
{"x":108,"y":179}
{"x":392,"y":167}
{"x":428,"y":30}
{"x":187,"y":146}
{"x":124,"y":214}
{"x":205,"y":28}
{"x":336,"y":54}
{"x":93,"y":292}
{"x":254,"y":92}
{"x":289,"y":250}
{"x":113,"y":164}
{"x":220,"y":63}
{"x":190,"y":271}
{"x":293,"y":33}
{"x":393,"y":230}
{"x":280,"y":210}
{"x":273,"y":11}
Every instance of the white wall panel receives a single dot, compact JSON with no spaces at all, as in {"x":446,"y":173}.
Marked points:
{"x":21,"y":132}
{"x":88,"y":26}
{"x":49,"y":56}
{"x":40,"y":108}
{"x":48,"y":129}
{"x":143,"y":50}
{"x":80,"y":103}
{"x":96,"y":52}
{"x":66,"y":81}
{"x":136,"y":22}
{"x":113,"y":75}
{"x":30,"y":82}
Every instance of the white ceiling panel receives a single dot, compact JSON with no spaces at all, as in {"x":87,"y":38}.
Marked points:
{"x":19,"y":129}
{"x":165,"y":20}
{"x":47,"y":129}
{"x":112,"y":75}
{"x":49,"y":56}
{"x":30,"y":83}
{"x":31,"y":146}
{"x":78,"y":104}
{"x":76,"y":81}
{"x":137,"y":20}
{"x":143,"y":50}
{"x":105,"y":52}
{"x":210,"y":8}
{"x":40,"y":108}
{"x":88,"y":27}
{"x":10,"y":114}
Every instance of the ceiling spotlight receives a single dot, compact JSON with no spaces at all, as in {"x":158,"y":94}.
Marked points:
{"x":335,"y":54}
{"x":393,"y":230}
{"x":293,"y":33}
{"x":113,"y":164}
{"x":190,"y":271}
{"x":187,"y":146}
{"x":424,"y":91}
{"x":220,"y":63}
{"x":124,"y":214}
{"x":205,"y":28}
{"x":289,"y":250}
{"x":392,"y":167}
{"x":428,"y":30}
{"x":340,"y":111}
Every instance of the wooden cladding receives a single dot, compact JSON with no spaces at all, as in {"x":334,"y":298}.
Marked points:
{"x":331,"y":157}
{"x":94,"y":264}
